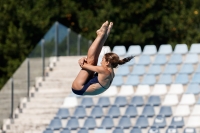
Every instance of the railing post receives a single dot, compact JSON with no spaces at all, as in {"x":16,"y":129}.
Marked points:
{"x":68,"y":40}
{"x":56,"y":40}
{"x":43,"y":59}
{"x":12,"y":97}
{"x":28,"y":77}
{"x":78,"y":44}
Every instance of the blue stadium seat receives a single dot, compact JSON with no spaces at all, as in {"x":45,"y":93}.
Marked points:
{"x":160,"y":59}
{"x":189,"y":130}
{"x":195,"y":78}
{"x":144,"y":60}
{"x":104,"y":102}
{"x":134,"y":50}
{"x":181,"y":49}
{"x":172,"y":130}
{"x":159,"y":122}
{"x":124,"y":122}
{"x":148,"y":111}
{"x":123,"y":71}
{"x":48,"y":131}
{"x":136,"y":130}
{"x":114,"y":111}
{"x":120,"y":101}
{"x":153,"y":130}
{"x":165,"y":49}
{"x":97,"y":112}
{"x":80,"y":112}
{"x":87,"y":102}
{"x":175,"y":59}
{"x":191,"y":58}
{"x":154,"y":101}
{"x":198,"y":69}
{"x":149,"y":50}
{"x":165,"y":79}
{"x":132,"y":80}
{"x":138,"y":70}
{"x":154,"y":69}
{"x":117,"y":81}
{"x":187,"y":68}
{"x":142,"y":122}
{"x":107,"y":122}
{"x":73,"y":123}
{"x":118,"y":130}
{"x":195,"y":48}
{"x":165,"y":111}
{"x":119,"y":50}
{"x":131,"y":111}
{"x":170,"y":69}
{"x":90,"y":123}
{"x":83,"y":130}
{"x":181,"y":79}
{"x":193,"y":89}
{"x":149,"y":80}
{"x":65,"y":130}
{"x":63,"y":113}
{"x":55,"y":124}
{"x":137,"y":101}
{"x":177,"y":122}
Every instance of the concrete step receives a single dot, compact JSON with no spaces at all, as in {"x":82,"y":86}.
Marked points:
{"x":39,"y":111}
{"x":22,"y":128}
{"x":35,"y":116}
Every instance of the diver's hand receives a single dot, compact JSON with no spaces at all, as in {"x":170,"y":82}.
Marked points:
{"x":81,"y":61}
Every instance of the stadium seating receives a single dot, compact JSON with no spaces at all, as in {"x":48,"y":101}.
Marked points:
{"x":181,"y":49}
{"x":119,"y":50}
{"x":107,"y":122}
{"x":175,"y":59}
{"x":63,"y":113}
{"x":165,"y":49}
{"x":149,"y":50}
{"x":134,"y":50}
{"x":158,"y":92}
{"x":97,"y":112}
{"x":160,"y":59}
{"x":195,"y":48}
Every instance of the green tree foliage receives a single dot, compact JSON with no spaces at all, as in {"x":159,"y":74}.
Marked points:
{"x":23,"y":23}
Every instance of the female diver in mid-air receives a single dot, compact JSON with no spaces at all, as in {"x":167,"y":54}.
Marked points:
{"x":93,"y":79}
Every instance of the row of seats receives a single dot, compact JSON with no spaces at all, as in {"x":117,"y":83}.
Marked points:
{"x":150,"y":79}
{"x":169,"y":100}
{"x":131,"y":111}
{"x":162,"y":59}
{"x":133,"y":130}
{"x":125,"y":122}
{"x":157,"y":70}
{"x":152,"y":50}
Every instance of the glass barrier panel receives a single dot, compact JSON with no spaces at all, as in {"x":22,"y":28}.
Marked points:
{"x":5,"y":102}
{"x":20,"y":83}
{"x":49,"y":44}
{"x":35,"y":62}
{"x":73,"y":37}
{"x":62,"y":40}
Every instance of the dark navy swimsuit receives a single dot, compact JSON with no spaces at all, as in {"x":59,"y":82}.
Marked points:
{"x":87,"y":84}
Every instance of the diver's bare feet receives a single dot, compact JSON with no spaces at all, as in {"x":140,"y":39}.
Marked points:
{"x":109,"y":28}
{"x":103,"y":30}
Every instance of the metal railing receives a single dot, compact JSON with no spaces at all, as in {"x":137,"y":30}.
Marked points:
{"x":59,"y":41}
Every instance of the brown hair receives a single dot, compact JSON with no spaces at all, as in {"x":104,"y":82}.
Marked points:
{"x":114,"y":59}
